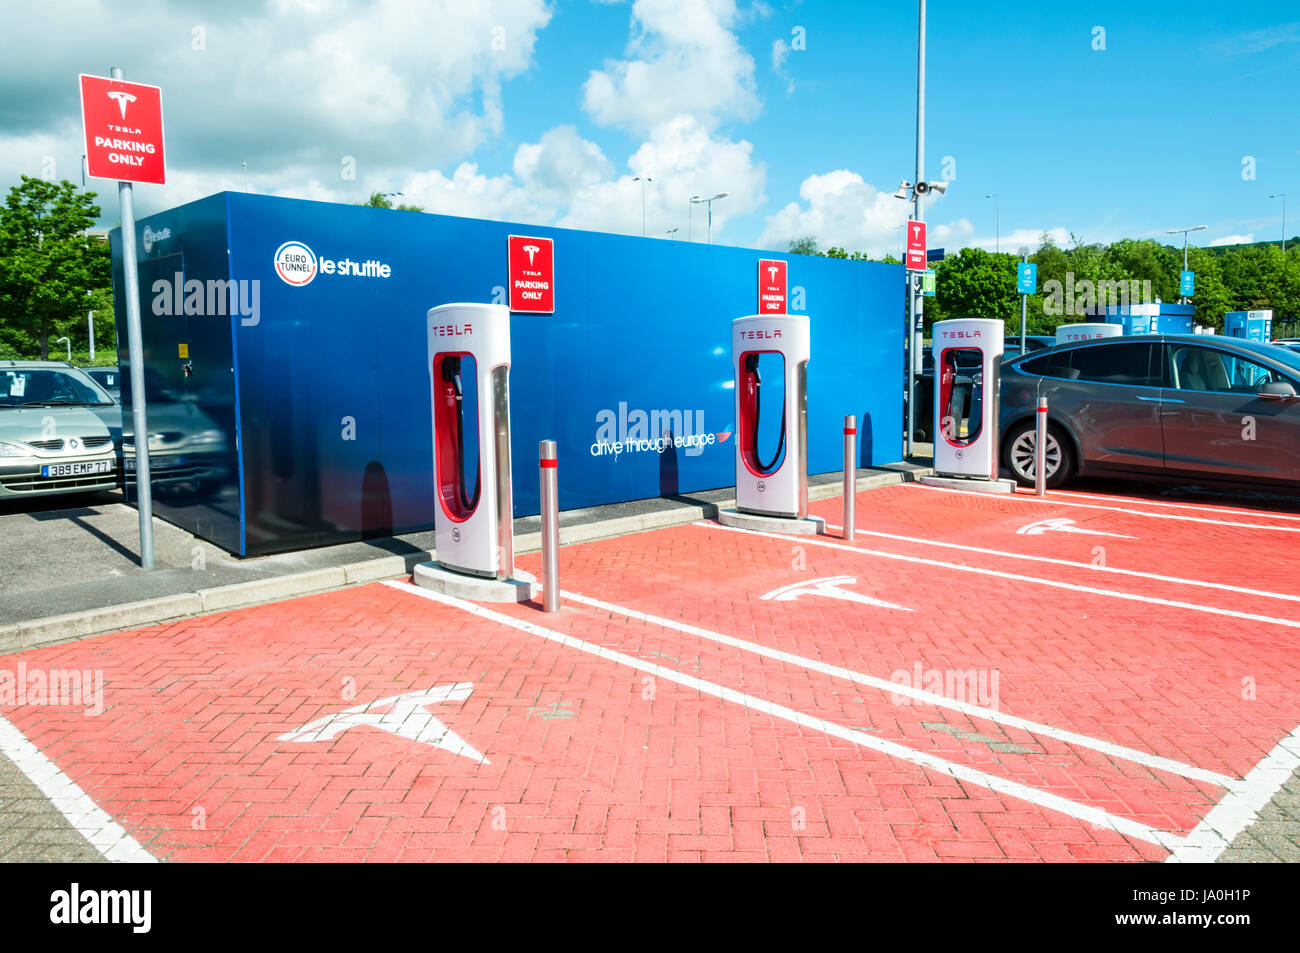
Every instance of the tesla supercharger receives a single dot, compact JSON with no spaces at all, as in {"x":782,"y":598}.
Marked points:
{"x":1070,"y":333}
{"x":967,"y":354}
{"x":469,"y":372}
{"x":771,"y":481}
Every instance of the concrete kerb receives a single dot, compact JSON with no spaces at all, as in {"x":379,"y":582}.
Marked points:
{"x":53,"y":630}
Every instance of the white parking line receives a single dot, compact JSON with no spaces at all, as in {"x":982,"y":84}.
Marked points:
{"x":1016,"y":577}
{"x":1044,"y":799}
{"x":86,"y":817}
{"x":1050,"y":560}
{"x":1052,"y":500}
{"x":1202,"y":507}
{"x":1241,"y":805}
{"x":924,"y":697}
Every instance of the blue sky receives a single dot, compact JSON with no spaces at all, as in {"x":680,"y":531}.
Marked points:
{"x":536,"y":112}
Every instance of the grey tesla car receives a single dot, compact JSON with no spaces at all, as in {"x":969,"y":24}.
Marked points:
{"x":1173,"y":405}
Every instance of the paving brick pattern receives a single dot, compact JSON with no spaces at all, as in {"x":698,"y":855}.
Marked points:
{"x":590,"y":758}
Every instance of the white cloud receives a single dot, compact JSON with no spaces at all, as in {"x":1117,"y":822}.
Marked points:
{"x":688,"y":61}
{"x":1013,"y":240}
{"x":842,"y":210}
{"x":1233,"y":240}
{"x":290,"y":86}
{"x":684,"y":159}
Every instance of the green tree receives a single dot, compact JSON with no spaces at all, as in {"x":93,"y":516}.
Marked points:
{"x":380,"y":200}
{"x":47,"y":263}
{"x":804,"y":246}
{"x":975,"y":283}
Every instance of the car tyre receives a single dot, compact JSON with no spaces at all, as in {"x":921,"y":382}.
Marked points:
{"x":1018,"y":454}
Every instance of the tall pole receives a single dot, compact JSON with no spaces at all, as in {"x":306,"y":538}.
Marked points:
{"x":135,"y":350}
{"x":917,"y":303}
{"x":1182,"y":299}
{"x":710,"y":241}
{"x":997,"y":239}
{"x":690,"y":210}
{"x":1024,"y":306}
{"x":90,"y":319}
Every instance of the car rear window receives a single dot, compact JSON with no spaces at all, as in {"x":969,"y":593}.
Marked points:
{"x":1127,"y":363}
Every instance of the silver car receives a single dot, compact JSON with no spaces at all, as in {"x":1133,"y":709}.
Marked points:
{"x":1172,"y":405}
{"x":57,"y":432}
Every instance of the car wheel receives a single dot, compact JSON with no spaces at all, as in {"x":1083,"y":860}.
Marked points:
{"x":1018,"y":454}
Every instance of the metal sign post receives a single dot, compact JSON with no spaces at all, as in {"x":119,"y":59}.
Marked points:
{"x":135,"y":350}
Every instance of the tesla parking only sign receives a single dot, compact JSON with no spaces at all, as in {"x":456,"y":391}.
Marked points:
{"x":771,"y":286}
{"x":532,"y":274}
{"x":916,"y":247}
{"x":123,"y":125}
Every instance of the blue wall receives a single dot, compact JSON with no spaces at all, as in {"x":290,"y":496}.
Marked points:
{"x":639,"y":322}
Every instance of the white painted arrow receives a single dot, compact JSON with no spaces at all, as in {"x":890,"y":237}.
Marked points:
{"x":830,"y":588}
{"x":406,"y":716}
{"x":1062,"y":525}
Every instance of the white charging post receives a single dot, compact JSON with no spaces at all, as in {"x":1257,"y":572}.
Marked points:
{"x":771,"y":482}
{"x":469,"y":379}
{"x":967,"y":384}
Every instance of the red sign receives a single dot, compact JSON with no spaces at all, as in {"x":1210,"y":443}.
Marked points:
{"x":771,"y":286}
{"x":124,"y":130}
{"x":532,"y":274}
{"x":916,"y":247}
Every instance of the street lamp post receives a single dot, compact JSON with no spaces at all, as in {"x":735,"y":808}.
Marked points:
{"x":1282,"y":196}
{"x":696,"y":200}
{"x":997,"y":240}
{"x":643,"y":180}
{"x":689,"y":209}
{"x":1182,"y":299}
{"x":91,"y":321}
{"x":69,"y":344}
{"x":245,"y":165}
{"x":672,"y":231}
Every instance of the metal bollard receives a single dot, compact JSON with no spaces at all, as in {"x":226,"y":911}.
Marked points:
{"x":548,"y":470}
{"x":850,"y":474}
{"x":1040,"y":450}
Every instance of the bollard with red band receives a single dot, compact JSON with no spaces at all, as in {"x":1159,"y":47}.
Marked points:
{"x":850,"y":474}
{"x":1040,"y":450}
{"x":548,"y":469}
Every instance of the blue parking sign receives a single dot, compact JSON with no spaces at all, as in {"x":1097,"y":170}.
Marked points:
{"x":1026,"y":277}
{"x":1187,"y":283}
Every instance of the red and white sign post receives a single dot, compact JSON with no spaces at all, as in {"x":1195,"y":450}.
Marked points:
{"x":532,"y":274}
{"x":123,"y":127}
{"x":916,"y":247}
{"x":771,"y":286}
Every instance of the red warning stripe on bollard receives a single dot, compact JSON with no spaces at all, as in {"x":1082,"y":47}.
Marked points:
{"x":549,"y":464}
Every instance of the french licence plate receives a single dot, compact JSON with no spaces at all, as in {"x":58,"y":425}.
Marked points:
{"x":76,"y":469}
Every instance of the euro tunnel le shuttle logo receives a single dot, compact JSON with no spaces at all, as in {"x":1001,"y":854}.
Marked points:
{"x":298,"y":266}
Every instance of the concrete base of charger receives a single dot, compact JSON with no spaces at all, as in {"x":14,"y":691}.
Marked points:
{"x":772,"y":524}
{"x":519,"y":588}
{"x":974,"y":484}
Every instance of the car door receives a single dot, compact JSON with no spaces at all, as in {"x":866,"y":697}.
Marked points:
{"x":1216,"y":423}
{"x":1108,"y":393}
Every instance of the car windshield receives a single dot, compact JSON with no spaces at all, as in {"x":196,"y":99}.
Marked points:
{"x":1280,"y":354}
{"x":45,"y":386}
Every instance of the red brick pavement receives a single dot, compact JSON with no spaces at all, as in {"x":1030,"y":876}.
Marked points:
{"x":592,"y":759}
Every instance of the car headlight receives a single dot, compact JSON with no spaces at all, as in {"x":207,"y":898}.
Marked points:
{"x":14,"y":450}
{"x":207,"y":436}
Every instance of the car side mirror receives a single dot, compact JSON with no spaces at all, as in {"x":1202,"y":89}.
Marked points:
{"x":1278,"y":390}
